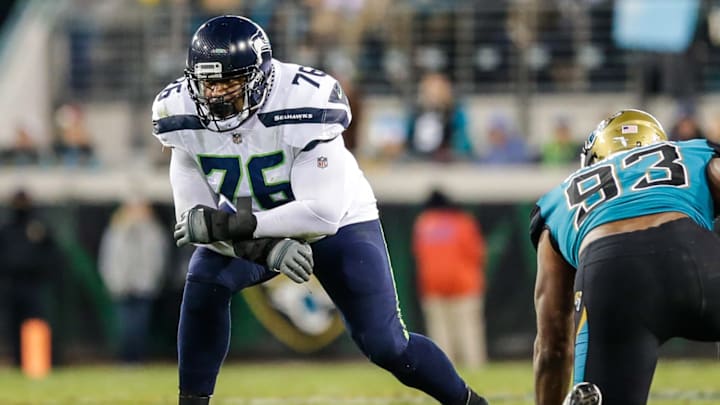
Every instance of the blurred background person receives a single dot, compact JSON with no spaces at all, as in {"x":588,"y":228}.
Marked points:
{"x":438,"y":125}
{"x":132,"y":263}
{"x":562,"y":148}
{"x":23,"y":150}
{"x":504,"y":144}
{"x":31,"y":263}
{"x":686,"y":126}
{"x":74,"y":145}
{"x":449,"y":251}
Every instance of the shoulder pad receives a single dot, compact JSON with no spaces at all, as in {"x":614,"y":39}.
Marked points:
{"x":715,"y":147}
{"x":537,"y":225}
{"x":310,"y":105}
{"x":172,"y":111}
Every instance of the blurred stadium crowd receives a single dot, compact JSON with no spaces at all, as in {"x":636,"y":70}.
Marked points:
{"x":479,"y":83}
{"x":428,"y":80}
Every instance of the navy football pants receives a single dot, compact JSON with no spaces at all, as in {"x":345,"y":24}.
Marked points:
{"x":353,"y":267}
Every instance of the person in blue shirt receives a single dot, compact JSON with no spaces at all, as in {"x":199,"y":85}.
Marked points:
{"x":626,"y":260}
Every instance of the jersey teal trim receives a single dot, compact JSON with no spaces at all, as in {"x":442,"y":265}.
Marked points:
{"x":581,"y":348}
{"x":305,"y":116}
{"x":176,"y":123}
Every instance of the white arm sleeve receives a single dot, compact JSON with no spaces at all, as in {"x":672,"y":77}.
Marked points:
{"x":322,"y":195}
{"x":189,"y":186}
{"x":189,"y":189}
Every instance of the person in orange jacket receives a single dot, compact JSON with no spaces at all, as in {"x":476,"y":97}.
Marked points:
{"x":449,"y":252}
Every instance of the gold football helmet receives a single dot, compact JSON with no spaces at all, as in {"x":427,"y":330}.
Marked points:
{"x":626,"y":129}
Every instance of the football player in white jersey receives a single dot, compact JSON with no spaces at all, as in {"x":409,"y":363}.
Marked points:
{"x":265,"y":137}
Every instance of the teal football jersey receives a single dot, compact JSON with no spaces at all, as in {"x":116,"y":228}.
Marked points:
{"x":667,"y":176}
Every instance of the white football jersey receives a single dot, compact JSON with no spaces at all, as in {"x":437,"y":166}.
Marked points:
{"x":303,"y":109}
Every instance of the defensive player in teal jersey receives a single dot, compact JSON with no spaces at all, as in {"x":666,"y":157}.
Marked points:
{"x":626,"y":252}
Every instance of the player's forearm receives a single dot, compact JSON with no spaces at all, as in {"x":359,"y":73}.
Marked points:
{"x":254,"y":250}
{"x":224,"y":248}
{"x":299,"y":219}
{"x":551,"y":366}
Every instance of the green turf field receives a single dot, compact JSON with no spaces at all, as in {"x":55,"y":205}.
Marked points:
{"x":677,"y":382}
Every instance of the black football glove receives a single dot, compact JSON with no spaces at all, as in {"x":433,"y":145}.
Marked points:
{"x":203,"y":224}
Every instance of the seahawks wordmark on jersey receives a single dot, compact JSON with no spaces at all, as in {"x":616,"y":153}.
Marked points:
{"x":304,"y":107}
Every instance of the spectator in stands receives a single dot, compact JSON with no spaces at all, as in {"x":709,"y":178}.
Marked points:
{"x":713,"y":132}
{"x":686,"y":128}
{"x":449,"y":252}
{"x":74,"y":147}
{"x":438,"y":126}
{"x":31,"y":260}
{"x":561,"y":149}
{"x":505,"y":145}
{"x":23,"y":150}
{"x":132,"y":258}
{"x":337,"y":28}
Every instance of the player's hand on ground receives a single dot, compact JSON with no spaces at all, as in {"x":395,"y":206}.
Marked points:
{"x":292,"y":258}
{"x":199,"y":224}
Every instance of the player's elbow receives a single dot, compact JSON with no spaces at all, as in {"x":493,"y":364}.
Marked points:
{"x":325,"y":228}
{"x":551,"y":355}
{"x":327,"y":217}
{"x":551,"y":352}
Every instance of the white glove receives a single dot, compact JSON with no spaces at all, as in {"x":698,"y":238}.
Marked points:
{"x":192,"y":227}
{"x":293,"y":259}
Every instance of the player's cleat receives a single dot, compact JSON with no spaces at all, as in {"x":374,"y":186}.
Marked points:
{"x":475,"y":399}
{"x":584,"y":393}
{"x":193,"y":400}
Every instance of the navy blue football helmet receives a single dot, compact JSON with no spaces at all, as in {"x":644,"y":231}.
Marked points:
{"x":232,"y":54}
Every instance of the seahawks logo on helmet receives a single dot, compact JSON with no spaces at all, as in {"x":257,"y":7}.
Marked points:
{"x":260,"y":45}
